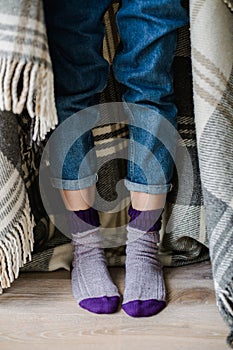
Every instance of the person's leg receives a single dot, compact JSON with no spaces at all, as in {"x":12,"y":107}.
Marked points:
{"x":75,"y":34}
{"x":148,"y":31}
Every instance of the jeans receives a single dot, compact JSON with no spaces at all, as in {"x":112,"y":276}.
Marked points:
{"x":142,"y":65}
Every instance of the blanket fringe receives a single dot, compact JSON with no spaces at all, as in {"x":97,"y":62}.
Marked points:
{"x":225,"y":305}
{"x":227,"y":301}
{"x":16,"y":247}
{"x":229,"y":4}
{"x":29,"y":85}
{"x":230,"y":339}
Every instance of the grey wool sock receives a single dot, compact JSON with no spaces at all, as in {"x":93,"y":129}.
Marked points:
{"x":91,"y":282}
{"x":144,"y":293}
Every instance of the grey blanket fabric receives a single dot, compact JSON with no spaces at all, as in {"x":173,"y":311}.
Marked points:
{"x":213,"y":101}
{"x":195,"y":227}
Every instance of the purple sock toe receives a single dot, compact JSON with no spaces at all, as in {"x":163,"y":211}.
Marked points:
{"x":143,"y":308}
{"x":102,"y":305}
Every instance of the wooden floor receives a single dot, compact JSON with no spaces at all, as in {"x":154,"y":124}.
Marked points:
{"x":39,"y":312}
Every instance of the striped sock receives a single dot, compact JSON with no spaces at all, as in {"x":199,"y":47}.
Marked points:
{"x":144,"y":293}
{"x":91,"y":283}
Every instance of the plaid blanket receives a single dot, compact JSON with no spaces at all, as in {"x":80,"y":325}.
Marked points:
{"x":26,"y":82}
{"x":213,"y":101}
{"x":26,"y":79}
{"x":206,"y":226}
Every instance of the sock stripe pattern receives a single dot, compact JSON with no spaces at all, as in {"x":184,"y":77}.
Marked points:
{"x":85,"y":220}
{"x":147,"y":221}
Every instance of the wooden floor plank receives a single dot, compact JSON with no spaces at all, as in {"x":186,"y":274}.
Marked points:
{"x":39,"y":311}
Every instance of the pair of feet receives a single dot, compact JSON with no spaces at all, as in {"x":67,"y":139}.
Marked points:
{"x":93,"y":288}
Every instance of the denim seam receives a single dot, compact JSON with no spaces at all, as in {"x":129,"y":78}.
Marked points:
{"x":150,"y":189}
{"x":131,"y":140}
{"x":74,"y":184}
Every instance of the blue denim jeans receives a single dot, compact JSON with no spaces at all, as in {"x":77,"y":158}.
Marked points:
{"x":142,"y":65}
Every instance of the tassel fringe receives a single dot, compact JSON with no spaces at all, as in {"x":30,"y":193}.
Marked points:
{"x":225,"y":305}
{"x":28,"y":85}
{"x":229,"y":4}
{"x":230,"y":339}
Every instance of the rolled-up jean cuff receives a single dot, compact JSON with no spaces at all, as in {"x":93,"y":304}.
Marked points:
{"x":73,"y":185}
{"x":150,"y":189}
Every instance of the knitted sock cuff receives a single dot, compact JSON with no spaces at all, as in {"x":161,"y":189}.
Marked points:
{"x":147,"y":220}
{"x":85,"y":220}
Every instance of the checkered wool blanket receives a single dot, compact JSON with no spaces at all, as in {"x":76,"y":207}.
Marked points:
{"x":26,"y":83}
{"x":26,"y":79}
{"x":212,"y":66}
{"x":205,"y":229}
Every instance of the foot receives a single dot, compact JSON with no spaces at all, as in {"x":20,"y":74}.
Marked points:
{"x":144,"y":285}
{"x":91,"y":283}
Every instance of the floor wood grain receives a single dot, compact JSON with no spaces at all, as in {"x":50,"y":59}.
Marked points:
{"x":38,"y":312}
